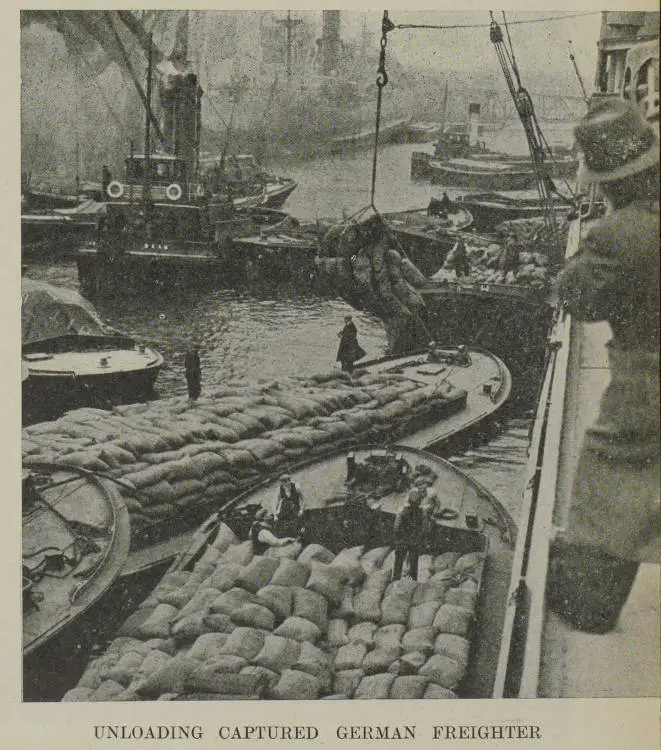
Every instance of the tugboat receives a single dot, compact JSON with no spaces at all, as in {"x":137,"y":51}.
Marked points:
{"x":163,"y":224}
{"x":460,"y":159}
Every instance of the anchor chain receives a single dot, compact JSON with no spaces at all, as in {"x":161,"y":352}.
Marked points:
{"x":381,"y":81}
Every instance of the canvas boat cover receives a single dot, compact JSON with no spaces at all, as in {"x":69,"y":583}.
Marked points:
{"x":49,"y":311}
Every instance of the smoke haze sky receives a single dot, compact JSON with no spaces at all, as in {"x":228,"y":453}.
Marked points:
{"x":539,"y":47}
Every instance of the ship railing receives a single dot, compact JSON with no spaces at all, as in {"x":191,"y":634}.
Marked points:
{"x":520,"y":660}
{"x":171,"y":193}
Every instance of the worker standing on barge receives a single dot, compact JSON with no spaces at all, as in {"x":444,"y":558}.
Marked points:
{"x":409,"y":534}
{"x":614,"y":522}
{"x":349,"y":350}
{"x":289,"y":507}
{"x":193,"y":370}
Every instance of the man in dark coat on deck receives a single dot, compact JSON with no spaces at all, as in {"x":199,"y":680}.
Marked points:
{"x":410,"y":534}
{"x":349,"y":350}
{"x":193,"y":372}
{"x":289,"y":507}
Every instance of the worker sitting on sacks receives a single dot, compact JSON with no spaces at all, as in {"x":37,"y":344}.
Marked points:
{"x":434,"y":355}
{"x":409,"y":534}
{"x":289,"y":507}
{"x":262,"y":534}
{"x":462,"y":357}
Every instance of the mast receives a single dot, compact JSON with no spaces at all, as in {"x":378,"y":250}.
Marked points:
{"x":147,"y":165}
{"x":578,"y":74}
{"x":540,"y":153}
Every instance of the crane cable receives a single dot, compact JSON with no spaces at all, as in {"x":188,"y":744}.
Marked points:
{"x":381,"y":81}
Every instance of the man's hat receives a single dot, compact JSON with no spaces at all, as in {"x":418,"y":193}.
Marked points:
{"x":616,"y":141}
{"x":285,"y":477}
{"x":263,"y":514}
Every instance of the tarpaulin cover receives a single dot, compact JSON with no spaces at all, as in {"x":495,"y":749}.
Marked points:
{"x":49,"y":311}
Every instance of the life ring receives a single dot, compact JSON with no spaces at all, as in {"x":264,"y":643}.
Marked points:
{"x":173,"y":191}
{"x":200,"y":191}
{"x":115,"y":189}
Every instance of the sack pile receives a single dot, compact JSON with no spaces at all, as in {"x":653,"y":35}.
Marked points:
{"x":363,"y":260}
{"x":179,"y":460}
{"x":305,"y":626}
{"x":534,"y":243}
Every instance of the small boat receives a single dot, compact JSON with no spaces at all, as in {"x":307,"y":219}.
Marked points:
{"x":425,"y":234}
{"x":388,"y":133}
{"x":490,"y":209}
{"x":343,"y":536}
{"x":75,"y":541}
{"x":44,"y":200}
{"x":276,"y":193}
{"x":277,"y":256}
{"x":493,"y":172}
{"x":241,"y":174}
{"x":73,"y":358}
{"x":423,"y":132}
{"x":60,"y":230}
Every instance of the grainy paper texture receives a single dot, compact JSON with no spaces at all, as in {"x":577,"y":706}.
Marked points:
{"x":606,"y":724}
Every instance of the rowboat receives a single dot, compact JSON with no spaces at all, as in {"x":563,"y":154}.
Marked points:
{"x":338,"y":626}
{"x":490,"y":209}
{"x":72,"y":357}
{"x":75,"y":542}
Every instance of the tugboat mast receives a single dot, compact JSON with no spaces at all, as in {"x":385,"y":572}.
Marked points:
{"x":147,"y":163}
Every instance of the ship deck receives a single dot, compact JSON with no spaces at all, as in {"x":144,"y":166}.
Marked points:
{"x":556,"y":661}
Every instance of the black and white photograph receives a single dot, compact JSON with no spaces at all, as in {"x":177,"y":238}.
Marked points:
{"x":339,"y":369}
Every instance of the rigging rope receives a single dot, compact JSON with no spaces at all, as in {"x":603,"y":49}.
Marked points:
{"x":548,"y":19}
{"x":537,"y":143}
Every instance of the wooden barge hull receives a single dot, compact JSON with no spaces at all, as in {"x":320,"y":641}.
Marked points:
{"x":60,"y":605}
{"x":510,"y":322}
{"x":490,"y":210}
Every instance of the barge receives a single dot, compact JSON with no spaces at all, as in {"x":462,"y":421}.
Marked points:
{"x":321,"y":616}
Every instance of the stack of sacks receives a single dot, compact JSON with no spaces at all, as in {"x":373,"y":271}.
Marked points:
{"x":405,"y":639}
{"x":293,"y":624}
{"x":363,"y":259}
{"x":178,"y":460}
{"x":533,"y":241}
{"x":238,"y":626}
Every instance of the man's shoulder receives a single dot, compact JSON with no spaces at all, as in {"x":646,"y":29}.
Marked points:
{"x":635,"y":218}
